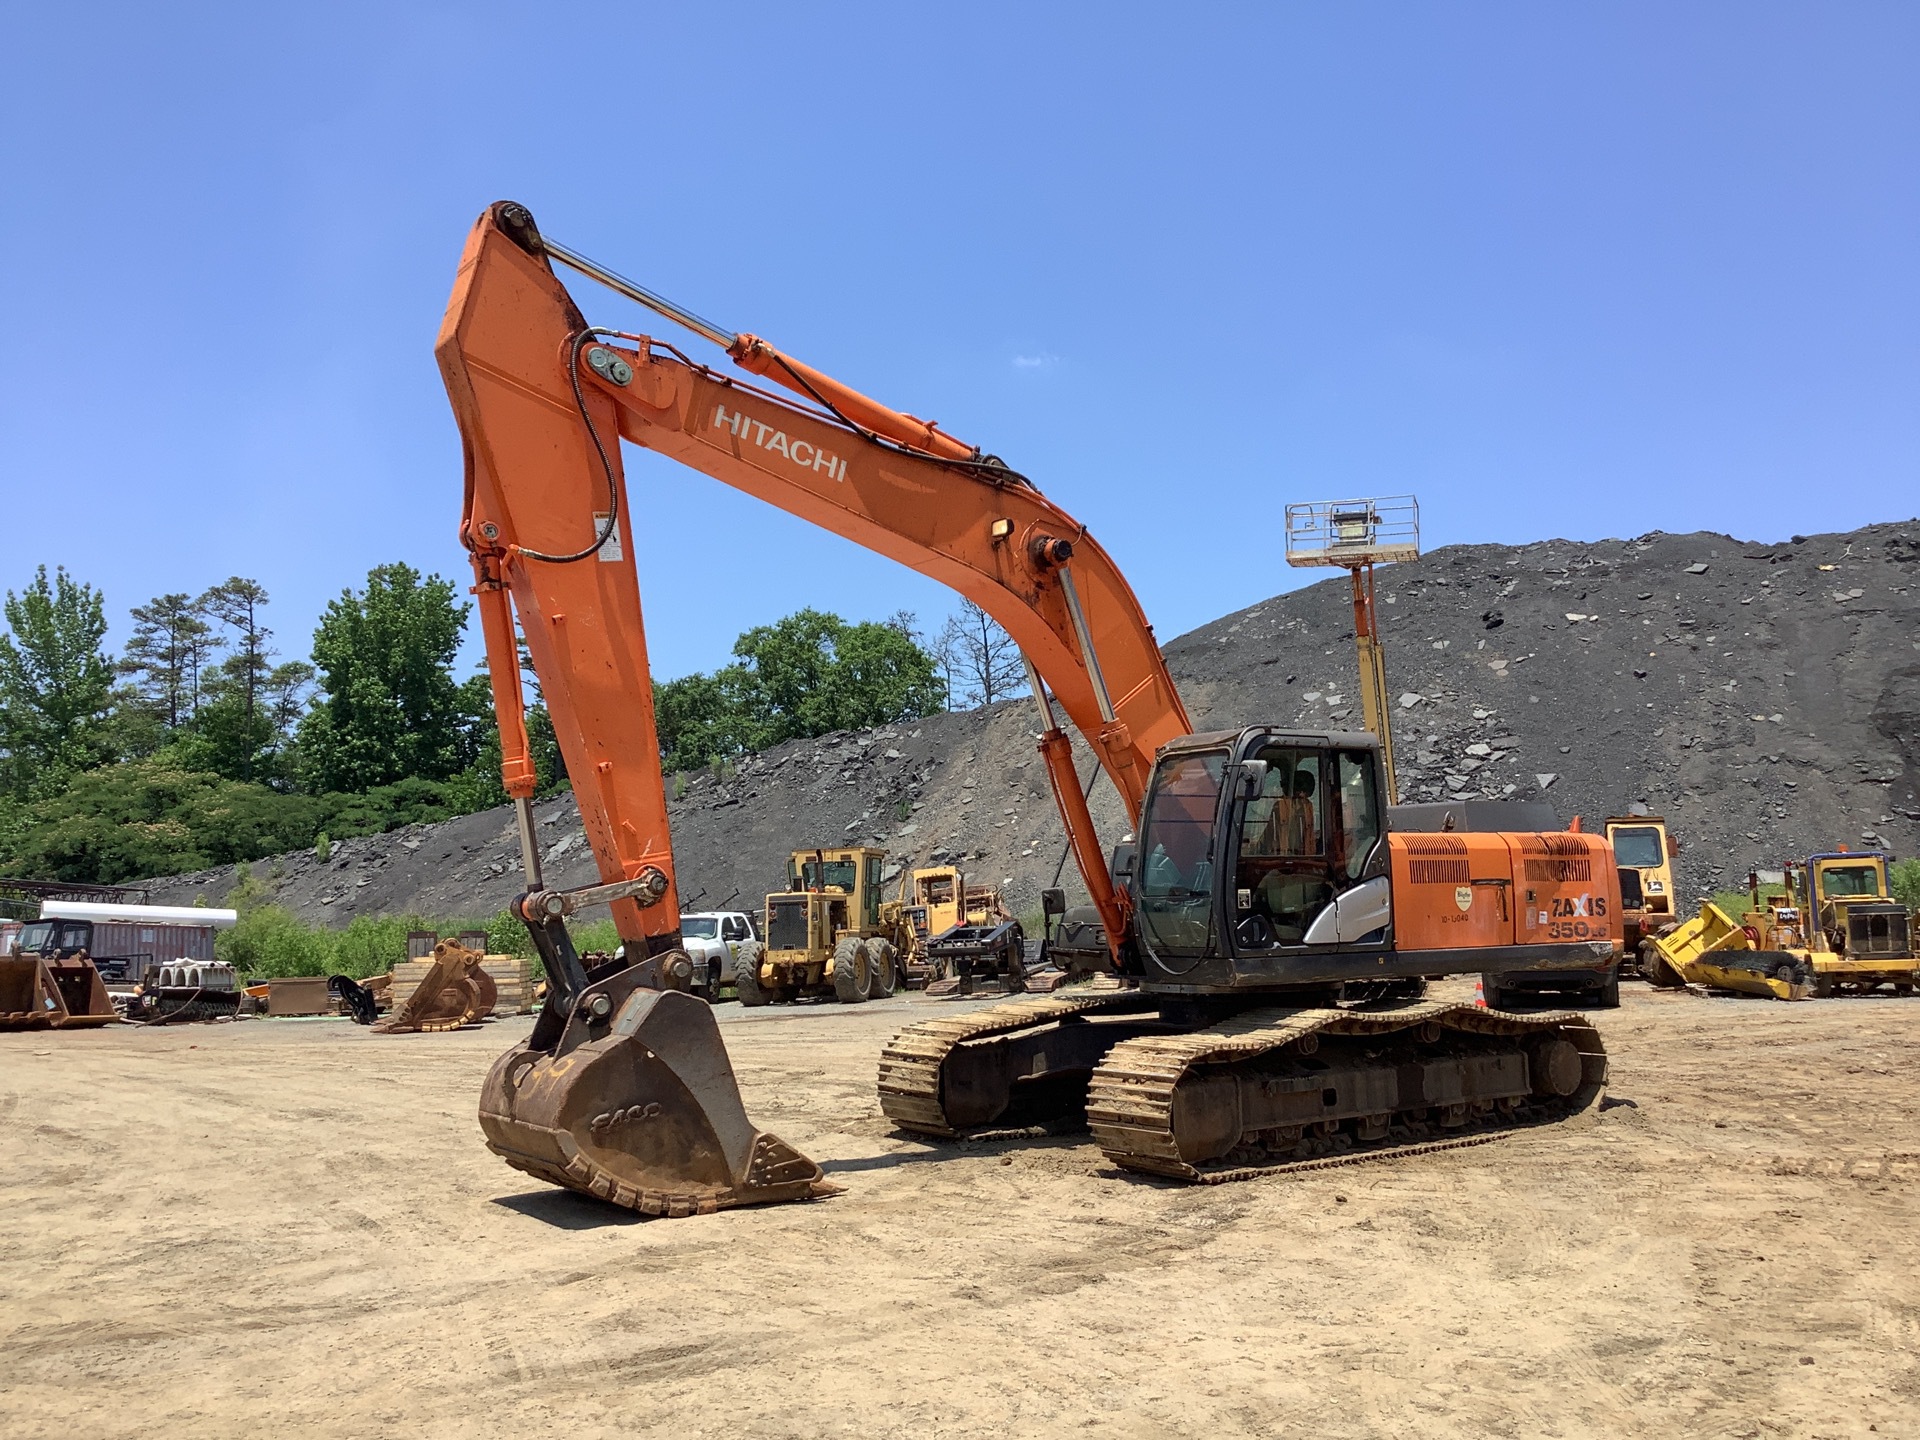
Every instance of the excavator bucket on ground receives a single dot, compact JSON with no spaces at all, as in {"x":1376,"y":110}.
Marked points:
{"x":455,"y":991}
{"x":60,"y":994}
{"x":636,"y":1103}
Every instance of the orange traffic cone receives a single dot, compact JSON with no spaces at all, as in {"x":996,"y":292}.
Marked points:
{"x":1480,"y":994}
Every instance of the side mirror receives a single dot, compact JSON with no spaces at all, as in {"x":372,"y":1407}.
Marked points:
{"x":1053,"y":902}
{"x":1253,"y":775}
{"x":1122,"y":864}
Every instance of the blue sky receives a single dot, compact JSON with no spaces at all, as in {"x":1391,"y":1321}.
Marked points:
{"x":1561,"y":270}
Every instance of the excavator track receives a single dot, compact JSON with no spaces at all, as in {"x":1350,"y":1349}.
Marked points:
{"x":1275,"y":1090}
{"x":912,"y":1067}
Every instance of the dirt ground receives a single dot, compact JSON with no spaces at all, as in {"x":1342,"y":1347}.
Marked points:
{"x":292,"y":1227}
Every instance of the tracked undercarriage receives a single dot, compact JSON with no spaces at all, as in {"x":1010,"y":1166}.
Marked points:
{"x":1264,"y":1089}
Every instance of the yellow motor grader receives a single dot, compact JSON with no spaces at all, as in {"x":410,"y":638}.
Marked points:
{"x":967,"y":941}
{"x":827,"y":933}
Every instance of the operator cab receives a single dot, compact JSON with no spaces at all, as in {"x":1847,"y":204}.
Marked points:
{"x":1258,"y":846}
{"x":55,"y":939}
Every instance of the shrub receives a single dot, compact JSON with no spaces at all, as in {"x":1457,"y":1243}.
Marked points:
{"x":1904,"y":879}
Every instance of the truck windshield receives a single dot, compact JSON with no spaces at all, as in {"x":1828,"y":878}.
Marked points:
{"x":699,"y":927}
{"x":1843,"y":882}
{"x":1174,"y":891}
{"x":1638,"y":846}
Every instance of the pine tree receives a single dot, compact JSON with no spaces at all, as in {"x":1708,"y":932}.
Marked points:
{"x":171,"y":643}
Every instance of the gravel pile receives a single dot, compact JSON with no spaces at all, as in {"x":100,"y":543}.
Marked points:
{"x":1765,"y":698}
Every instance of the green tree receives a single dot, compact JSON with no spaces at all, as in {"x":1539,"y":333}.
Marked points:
{"x":812,"y":673}
{"x":148,"y":817}
{"x":807,"y":674}
{"x":390,"y":708}
{"x":170,"y":646}
{"x":705,"y":717}
{"x":56,"y":685}
{"x":1903,"y":878}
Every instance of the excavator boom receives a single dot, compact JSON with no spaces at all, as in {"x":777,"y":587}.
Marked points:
{"x":624,"y":1090}
{"x":542,"y":404}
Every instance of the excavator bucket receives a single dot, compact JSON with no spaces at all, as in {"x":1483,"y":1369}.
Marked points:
{"x":641,"y":1110}
{"x":60,"y":994}
{"x":455,"y":991}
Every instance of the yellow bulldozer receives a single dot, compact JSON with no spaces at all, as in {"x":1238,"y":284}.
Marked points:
{"x":828,"y":933}
{"x":1833,"y":927}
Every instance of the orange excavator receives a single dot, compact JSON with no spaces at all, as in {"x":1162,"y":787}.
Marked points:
{"x":1264,"y":873}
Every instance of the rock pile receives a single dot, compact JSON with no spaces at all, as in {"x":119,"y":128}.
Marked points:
{"x":1765,"y":698}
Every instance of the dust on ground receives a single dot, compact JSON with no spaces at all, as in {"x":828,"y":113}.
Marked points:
{"x":287,"y":1227}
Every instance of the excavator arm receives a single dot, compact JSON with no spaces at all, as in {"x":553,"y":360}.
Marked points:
{"x":542,"y":403}
{"x":624,"y":1089}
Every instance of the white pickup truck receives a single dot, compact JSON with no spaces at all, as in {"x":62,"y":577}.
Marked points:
{"x":712,"y":939}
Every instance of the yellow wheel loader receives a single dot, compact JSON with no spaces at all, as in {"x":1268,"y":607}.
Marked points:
{"x":1643,"y":851}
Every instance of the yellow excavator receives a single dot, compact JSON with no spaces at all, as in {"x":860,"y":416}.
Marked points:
{"x":1260,"y":877}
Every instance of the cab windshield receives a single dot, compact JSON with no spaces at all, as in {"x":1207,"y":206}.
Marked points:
{"x":1844,"y":882}
{"x":42,"y":936}
{"x":825,"y":875}
{"x":699,"y":927}
{"x":1174,"y":892}
{"x":1638,"y":847}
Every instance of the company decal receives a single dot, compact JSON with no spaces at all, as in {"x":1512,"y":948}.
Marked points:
{"x":803,"y":453}
{"x":1578,"y":917}
{"x":1463,"y":897}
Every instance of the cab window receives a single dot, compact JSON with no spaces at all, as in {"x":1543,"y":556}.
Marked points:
{"x":1304,"y":838}
{"x":1845,"y":882}
{"x":1638,"y":846}
{"x":829,"y":875}
{"x":1359,"y":813}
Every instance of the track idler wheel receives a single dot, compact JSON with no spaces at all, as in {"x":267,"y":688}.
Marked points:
{"x":643,"y":1111}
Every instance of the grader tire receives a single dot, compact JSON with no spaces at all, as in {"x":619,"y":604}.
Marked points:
{"x":746,"y":977}
{"x":885,"y":968}
{"x":852,"y":972}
